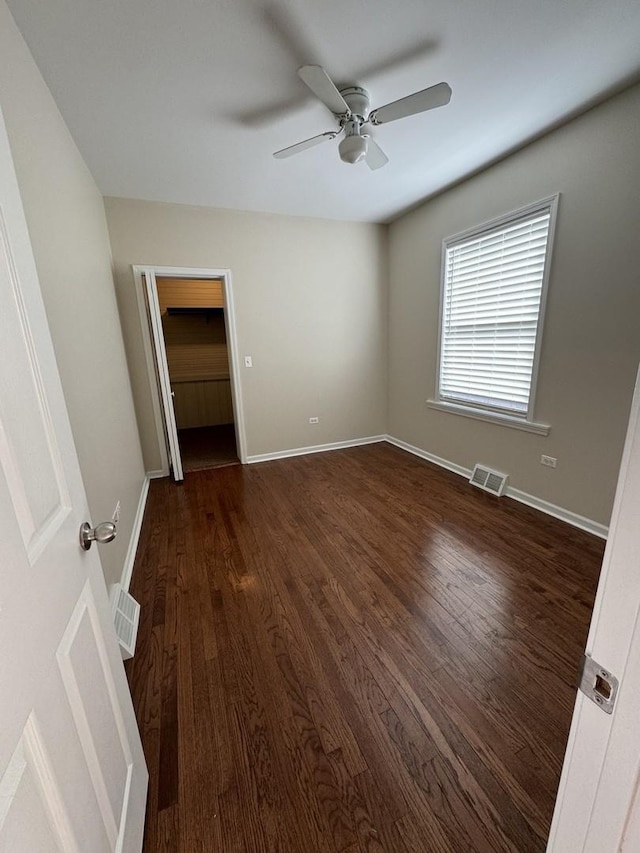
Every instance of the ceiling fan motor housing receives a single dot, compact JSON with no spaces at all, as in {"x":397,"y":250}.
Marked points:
{"x":358,"y":100}
{"x":353,"y":148}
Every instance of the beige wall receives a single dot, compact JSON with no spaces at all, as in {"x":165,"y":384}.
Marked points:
{"x":591,"y":343}
{"x":311,"y":303}
{"x":65,"y":215}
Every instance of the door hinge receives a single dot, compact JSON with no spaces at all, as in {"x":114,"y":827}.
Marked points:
{"x":598,"y":684}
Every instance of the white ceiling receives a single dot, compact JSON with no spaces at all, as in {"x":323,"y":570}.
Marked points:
{"x":185,"y":100}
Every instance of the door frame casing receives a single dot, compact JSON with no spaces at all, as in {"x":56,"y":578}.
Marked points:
{"x":223,"y":275}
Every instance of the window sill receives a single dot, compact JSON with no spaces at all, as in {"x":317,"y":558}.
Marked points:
{"x":490,"y":417}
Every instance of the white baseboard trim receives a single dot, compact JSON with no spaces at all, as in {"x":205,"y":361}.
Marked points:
{"x":156,"y":475}
{"x":437,"y":460}
{"x":127,"y":569}
{"x":572,"y":518}
{"x":316,"y":448}
{"x":547,"y":507}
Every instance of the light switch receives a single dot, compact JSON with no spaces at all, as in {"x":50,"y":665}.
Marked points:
{"x":248,"y":361}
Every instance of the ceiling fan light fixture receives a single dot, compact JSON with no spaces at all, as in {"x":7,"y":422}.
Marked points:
{"x":353,"y":148}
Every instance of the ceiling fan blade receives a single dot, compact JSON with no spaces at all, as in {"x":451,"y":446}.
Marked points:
{"x":419,"y":102}
{"x":375,"y":157}
{"x":324,"y":88}
{"x":307,"y":143}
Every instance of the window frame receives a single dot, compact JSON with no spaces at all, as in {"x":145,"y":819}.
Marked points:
{"x":526,"y":420}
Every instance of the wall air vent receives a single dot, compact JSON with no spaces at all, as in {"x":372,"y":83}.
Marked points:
{"x":490,"y":481}
{"x":125,"y":611}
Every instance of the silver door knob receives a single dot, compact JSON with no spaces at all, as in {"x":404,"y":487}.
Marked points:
{"x":102,"y":533}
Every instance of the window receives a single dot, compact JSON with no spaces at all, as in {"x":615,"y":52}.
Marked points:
{"x":493,"y":290}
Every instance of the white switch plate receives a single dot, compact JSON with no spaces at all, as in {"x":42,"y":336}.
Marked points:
{"x":314,"y":420}
{"x":549,"y":461}
{"x":248,"y":361}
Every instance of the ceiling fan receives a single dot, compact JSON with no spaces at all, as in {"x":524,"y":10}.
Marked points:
{"x":351,"y":108}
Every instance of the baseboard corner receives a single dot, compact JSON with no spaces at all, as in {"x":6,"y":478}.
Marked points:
{"x":157,"y":475}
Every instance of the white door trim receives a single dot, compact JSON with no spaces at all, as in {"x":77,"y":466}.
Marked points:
{"x":232,"y":345}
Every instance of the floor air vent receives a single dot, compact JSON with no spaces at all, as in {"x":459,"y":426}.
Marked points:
{"x":490,"y":481}
{"x":126,"y":614}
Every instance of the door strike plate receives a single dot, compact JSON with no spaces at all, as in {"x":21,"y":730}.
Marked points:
{"x":598,"y":684}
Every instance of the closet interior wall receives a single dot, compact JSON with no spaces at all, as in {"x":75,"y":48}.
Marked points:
{"x":195,"y":339}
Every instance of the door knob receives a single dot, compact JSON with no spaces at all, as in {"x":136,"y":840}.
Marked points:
{"x":102,"y":533}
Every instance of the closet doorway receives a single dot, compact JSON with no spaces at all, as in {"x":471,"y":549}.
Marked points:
{"x":191,"y":336}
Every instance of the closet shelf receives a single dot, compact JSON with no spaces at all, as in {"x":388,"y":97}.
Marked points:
{"x":218,"y":377}
{"x":197,"y":362}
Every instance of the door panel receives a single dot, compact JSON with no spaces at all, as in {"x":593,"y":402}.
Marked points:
{"x":86,"y":674}
{"x":72,"y":773}
{"x":29,"y":451}
{"x":32,"y":814}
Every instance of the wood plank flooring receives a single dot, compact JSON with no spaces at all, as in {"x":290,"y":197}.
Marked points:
{"x":354,"y":651}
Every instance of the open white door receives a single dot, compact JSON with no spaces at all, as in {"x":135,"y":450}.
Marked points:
{"x":72,"y":772}
{"x":162,"y":367}
{"x":598,"y":805}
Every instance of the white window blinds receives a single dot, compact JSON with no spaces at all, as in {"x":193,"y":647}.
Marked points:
{"x":492,"y":292}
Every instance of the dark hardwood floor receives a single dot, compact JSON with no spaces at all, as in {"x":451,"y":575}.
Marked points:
{"x":354,"y":651}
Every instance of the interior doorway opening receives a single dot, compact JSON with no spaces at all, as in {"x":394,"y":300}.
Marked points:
{"x":195,"y":338}
{"x":191,"y":348}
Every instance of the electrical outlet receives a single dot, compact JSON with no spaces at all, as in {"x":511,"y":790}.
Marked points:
{"x":248,"y":361}
{"x":116,"y":514}
{"x":549,"y":461}
{"x":314,"y":420}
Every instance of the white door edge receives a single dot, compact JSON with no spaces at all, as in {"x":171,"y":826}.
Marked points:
{"x":166,"y":394}
{"x":600,"y":772}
